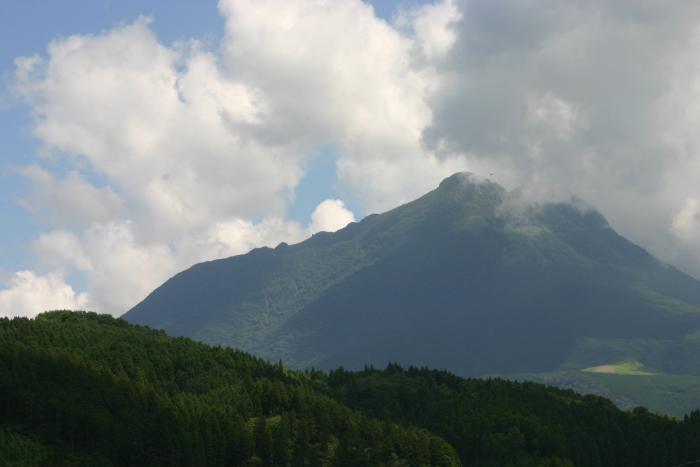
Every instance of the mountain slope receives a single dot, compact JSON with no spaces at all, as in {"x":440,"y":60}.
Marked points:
{"x":464,"y":278}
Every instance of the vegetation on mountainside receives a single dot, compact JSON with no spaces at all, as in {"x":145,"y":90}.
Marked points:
{"x":499,"y":422}
{"x":86,"y":389}
{"x":17,"y":450}
{"x":468,"y":278}
{"x":126,"y":395}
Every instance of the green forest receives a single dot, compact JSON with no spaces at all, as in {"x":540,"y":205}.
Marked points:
{"x":85,"y":389}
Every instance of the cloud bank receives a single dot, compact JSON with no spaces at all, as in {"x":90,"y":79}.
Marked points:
{"x":155,"y":156}
{"x":593,"y":99}
{"x":29,"y":294}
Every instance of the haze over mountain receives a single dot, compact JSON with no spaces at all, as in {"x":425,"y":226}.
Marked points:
{"x":466,"y":278}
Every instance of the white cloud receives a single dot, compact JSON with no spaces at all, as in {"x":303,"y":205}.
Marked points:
{"x":122,"y":270}
{"x":595,"y":99}
{"x":333,"y":72}
{"x":237,"y":236}
{"x":330,"y":215}
{"x":686,"y":222}
{"x":160,"y":124}
{"x":432,"y":26}
{"x":70,"y":201}
{"x":59,"y":249}
{"x":28,"y":295}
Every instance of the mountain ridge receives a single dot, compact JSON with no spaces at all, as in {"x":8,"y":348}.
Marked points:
{"x":465,"y":278}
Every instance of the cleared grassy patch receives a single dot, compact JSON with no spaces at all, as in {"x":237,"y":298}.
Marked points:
{"x":670,"y":394}
{"x":630,"y":368}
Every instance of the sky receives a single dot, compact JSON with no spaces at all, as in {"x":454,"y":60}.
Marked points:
{"x":140,"y":137}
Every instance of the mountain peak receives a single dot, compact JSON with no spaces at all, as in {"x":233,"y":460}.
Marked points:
{"x":466,"y":186}
{"x":463,"y":278}
{"x":458,"y":178}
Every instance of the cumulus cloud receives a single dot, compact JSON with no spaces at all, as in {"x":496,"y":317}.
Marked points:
{"x":432,"y":28}
{"x":330,"y":215}
{"x":333,"y":72}
{"x":160,"y":124}
{"x":27,"y":295}
{"x":70,"y":201}
{"x":686,"y":222}
{"x":237,"y":236}
{"x":596,"y":99}
{"x":59,"y":249}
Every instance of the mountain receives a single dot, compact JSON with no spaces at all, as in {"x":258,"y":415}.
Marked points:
{"x":81,"y":389}
{"x":467,"y":277}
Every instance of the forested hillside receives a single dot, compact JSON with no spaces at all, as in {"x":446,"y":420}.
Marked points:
{"x":85,"y":389}
{"x":499,"y":422}
{"x":93,"y":390}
